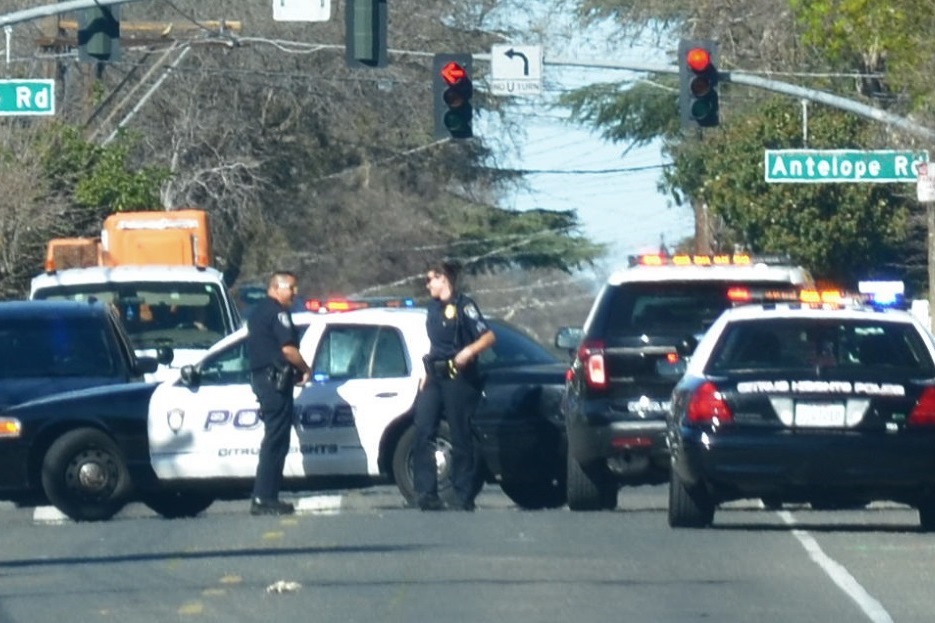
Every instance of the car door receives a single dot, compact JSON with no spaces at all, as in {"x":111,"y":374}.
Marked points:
{"x":211,"y":428}
{"x":362,"y":380}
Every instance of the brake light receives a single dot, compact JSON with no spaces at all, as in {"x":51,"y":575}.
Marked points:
{"x":591,"y":354}
{"x":707,"y":406}
{"x":923,"y":414}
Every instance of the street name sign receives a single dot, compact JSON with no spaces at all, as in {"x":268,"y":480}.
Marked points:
{"x":815,"y":166}
{"x":301,"y":10}
{"x":516,"y":69}
{"x":27,"y":97}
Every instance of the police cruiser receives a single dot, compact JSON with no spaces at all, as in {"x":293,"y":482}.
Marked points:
{"x":824,"y":401}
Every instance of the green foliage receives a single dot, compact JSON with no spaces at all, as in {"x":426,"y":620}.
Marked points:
{"x":871,"y":36}
{"x":99,"y":178}
{"x":532,"y":239}
{"x":843,"y":231}
{"x":638,"y":114}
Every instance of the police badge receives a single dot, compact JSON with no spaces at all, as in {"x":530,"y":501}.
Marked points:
{"x":450,"y":311}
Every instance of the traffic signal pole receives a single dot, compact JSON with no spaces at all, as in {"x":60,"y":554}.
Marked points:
{"x":16,"y":17}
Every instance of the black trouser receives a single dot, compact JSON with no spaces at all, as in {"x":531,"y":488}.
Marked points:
{"x":276,"y":412}
{"x":455,"y":399}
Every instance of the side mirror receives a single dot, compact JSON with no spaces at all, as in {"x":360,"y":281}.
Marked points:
{"x":569,"y":338}
{"x":686,"y":346}
{"x":189,"y":376}
{"x":165,"y":355}
{"x":146,"y":365}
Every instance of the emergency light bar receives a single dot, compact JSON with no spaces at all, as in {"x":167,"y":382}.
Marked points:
{"x":324,"y":306}
{"x":713,"y":259}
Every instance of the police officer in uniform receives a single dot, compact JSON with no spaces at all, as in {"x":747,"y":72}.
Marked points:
{"x":451,"y":388}
{"x":275,"y":366}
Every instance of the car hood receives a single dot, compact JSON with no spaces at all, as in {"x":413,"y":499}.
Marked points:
{"x":18,"y":391}
{"x":108,"y":398}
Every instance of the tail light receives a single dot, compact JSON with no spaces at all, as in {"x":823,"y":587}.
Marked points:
{"x":707,"y":406}
{"x":591,"y":355}
{"x":923,"y":414}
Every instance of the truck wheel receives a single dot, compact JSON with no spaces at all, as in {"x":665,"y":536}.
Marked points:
{"x":535,"y":495}
{"x":590,"y":487}
{"x":688,"y":508}
{"x":177,"y":504}
{"x":85,"y":475}
{"x":402,"y":465}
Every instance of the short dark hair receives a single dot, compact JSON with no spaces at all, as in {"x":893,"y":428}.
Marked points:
{"x":450,"y":268}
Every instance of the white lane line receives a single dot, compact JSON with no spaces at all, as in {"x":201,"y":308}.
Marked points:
{"x":839,"y":574}
{"x":320,"y":504}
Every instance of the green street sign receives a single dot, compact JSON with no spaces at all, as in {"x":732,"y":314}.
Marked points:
{"x":27,"y":97}
{"x":814,"y":166}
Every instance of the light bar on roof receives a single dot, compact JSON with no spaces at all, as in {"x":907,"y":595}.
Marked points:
{"x":685,"y":259}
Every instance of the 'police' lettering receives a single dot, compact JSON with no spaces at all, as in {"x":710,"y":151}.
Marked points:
{"x":247,"y":419}
{"x":216,"y":418}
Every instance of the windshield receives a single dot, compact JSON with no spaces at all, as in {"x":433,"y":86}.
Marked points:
{"x":673,"y":308}
{"x":180,"y":315}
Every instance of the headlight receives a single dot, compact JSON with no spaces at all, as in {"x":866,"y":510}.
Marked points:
{"x":10,"y":428}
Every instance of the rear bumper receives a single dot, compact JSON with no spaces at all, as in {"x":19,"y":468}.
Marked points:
{"x":795,"y":465}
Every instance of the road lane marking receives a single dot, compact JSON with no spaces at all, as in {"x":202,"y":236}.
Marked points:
{"x":839,"y":574}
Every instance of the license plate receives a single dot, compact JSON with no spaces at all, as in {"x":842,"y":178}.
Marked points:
{"x":811,"y":414}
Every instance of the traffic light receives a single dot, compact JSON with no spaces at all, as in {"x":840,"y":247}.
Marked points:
{"x":452,"y":91}
{"x":99,"y":34}
{"x":365,"y":33}
{"x":698,"y":83}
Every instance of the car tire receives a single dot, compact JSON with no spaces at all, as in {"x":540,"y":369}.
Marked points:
{"x":85,"y":475}
{"x":177,"y":504}
{"x":402,"y":465}
{"x":589,"y":487}
{"x":535,"y":495}
{"x":688,"y":507}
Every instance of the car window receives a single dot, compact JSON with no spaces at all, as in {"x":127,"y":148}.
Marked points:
{"x":344,"y":352}
{"x":61,"y":347}
{"x":228,"y":366}
{"x":513,"y":347}
{"x":802,"y":343}
{"x":389,"y":359}
{"x":671,"y":307}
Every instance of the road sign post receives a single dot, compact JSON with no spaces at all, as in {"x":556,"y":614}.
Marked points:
{"x":27,"y":97}
{"x":816,"y":166}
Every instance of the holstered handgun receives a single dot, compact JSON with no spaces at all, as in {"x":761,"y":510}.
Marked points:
{"x":281,"y":376}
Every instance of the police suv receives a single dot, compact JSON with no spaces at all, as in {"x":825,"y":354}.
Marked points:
{"x":628,"y":361}
{"x":819,"y":401}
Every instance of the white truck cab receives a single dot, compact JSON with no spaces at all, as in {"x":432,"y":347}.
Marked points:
{"x":182,"y":308}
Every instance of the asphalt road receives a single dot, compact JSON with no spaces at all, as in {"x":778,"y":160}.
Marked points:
{"x":362,"y":557}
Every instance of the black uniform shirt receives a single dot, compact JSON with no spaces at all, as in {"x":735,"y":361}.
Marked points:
{"x":453,"y":325}
{"x":269,"y":328}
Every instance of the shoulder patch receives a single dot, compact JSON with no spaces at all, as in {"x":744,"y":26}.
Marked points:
{"x":470,"y":310}
{"x":284,"y":319}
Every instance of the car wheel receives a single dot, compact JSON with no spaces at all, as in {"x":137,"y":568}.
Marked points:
{"x":402,"y":465}
{"x":590,"y":487}
{"x":177,"y":504}
{"x":535,"y":495}
{"x":85,"y":475}
{"x":688,"y":508}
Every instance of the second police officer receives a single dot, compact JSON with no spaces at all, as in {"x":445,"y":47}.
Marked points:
{"x":451,"y":388}
{"x":276,"y":366}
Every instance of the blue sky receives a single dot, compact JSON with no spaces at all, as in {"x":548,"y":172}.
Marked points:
{"x":622,"y":208}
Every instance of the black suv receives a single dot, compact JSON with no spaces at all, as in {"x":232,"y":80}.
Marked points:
{"x":643,"y":323}
{"x":49,"y":347}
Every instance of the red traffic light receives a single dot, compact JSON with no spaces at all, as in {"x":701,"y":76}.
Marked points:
{"x":698,"y":59}
{"x":453,"y":73}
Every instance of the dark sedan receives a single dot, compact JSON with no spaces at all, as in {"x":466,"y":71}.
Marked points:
{"x":805,"y":404}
